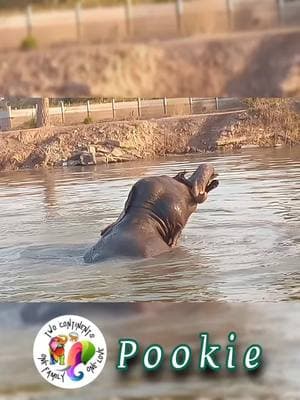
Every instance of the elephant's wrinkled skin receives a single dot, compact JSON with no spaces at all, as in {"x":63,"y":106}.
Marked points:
{"x":156,"y":211}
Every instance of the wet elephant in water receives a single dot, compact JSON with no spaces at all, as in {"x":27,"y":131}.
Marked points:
{"x":155,"y":213}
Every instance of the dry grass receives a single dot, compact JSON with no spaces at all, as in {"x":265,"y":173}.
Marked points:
{"x":234,"y":66}
{"x":291,"y":85}
{"x":277,"y":118}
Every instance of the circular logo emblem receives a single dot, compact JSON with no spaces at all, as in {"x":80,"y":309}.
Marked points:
{"x":69,"y":351}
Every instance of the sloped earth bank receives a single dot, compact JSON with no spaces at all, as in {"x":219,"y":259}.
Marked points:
{"x":131,"y":140}
{"x":251,"y":64}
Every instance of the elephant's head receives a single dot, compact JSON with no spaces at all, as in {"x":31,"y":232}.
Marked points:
{"x":58,"y":342}
{"x":201,"y":182}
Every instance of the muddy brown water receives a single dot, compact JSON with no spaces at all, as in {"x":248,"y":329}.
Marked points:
{"x":241,"y":245}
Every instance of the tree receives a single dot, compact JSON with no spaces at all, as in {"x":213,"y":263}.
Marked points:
{"x":42,"y":112}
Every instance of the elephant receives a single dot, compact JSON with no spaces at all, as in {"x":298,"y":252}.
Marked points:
{"x":155,"y":213}
{"x":57,"y":349}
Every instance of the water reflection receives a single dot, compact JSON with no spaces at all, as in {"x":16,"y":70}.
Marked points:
{"x":240,"y":245}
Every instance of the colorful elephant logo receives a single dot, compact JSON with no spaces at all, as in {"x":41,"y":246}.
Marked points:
{"x":80,"y":352}
{"x":57,"y":349}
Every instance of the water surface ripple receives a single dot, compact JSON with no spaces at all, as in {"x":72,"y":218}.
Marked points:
{"x":241,"y":245}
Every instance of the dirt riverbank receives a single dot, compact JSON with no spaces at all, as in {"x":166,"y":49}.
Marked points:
{"x":239,"y":64}
{"x":266,"y":123}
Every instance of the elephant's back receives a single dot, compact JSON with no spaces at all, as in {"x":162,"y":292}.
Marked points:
{"x":131,"y":238}
{"x":163,"y":196}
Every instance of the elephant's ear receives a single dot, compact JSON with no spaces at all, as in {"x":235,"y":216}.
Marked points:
{"x":196,"y":190}
{"x":53,"y":344}
{"x":180,"y":177}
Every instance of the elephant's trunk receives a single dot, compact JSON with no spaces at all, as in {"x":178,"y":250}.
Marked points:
{"x":202,"y":181}
{"x":63,"y":339}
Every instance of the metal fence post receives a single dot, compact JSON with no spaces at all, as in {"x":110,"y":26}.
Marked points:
{"x":139,"y":107}
{"x":217,"y":103}
{"x":191,"y":105}
{"x":78,"y":20}
{"x":88,"y":109}
{"x":229,"y":10}
{"x":62,"y":110}
{"x":29,"y":19}
{"x":179,"y":14}
{"x":113,"y":108}
{"x":165,"y":106}
{"x":33,"y":112}
{"x":128,"y":17}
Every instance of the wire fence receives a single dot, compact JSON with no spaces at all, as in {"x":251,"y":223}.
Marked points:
{"x":68,"y":114}
{"x":146,"y":21}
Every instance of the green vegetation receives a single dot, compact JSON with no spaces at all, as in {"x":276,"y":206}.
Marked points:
{"x":88,"y":120}
{"x":78,"y":100}
{"x":28,"y":102}
{"x":21,"y":102}
{"x":40,"y":4}
{"x":29,"y":43}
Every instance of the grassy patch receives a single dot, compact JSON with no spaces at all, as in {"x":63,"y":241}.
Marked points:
{"x":29,"y":43}
{"x":88,"y":120}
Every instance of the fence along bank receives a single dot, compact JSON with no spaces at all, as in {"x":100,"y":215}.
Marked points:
{"x":66,"y":114}
{"x":130,"y":21}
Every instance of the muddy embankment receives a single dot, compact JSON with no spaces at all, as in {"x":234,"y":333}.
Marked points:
{"x":239,"y":64}
{"x":261,"y":125}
